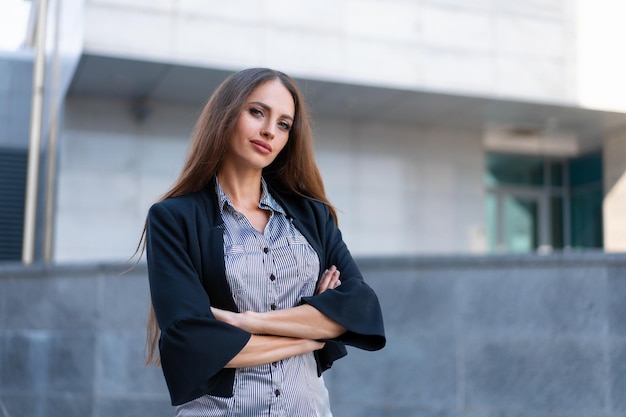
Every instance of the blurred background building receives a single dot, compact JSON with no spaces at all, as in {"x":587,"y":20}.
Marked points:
{"x":492,"y":133}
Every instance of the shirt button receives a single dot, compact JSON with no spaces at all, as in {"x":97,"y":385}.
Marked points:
{"x":273,"y":306}
{"x":272,"y":277}
{"x":274,"y":364}
{"x":277,"y":392}
{"x":266,"y":249}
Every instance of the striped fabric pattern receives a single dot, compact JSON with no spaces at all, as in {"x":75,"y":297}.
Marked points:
{"x":267,"y":271}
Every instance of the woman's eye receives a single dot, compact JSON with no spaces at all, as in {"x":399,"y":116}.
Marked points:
{"x":284,"y":125}
{"x":256,"y":112}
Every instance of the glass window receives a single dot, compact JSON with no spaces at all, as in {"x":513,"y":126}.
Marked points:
{"x":520,"y":224}
{"x":585,"y":170}
{"x":529,"y":193}
{"x":492,"y":222}
{"x":556,"y":174}
{"x":514,"y":170}
{"x":586,"y":191}
{"x":586,"y":218}
{"x":557,"y":229}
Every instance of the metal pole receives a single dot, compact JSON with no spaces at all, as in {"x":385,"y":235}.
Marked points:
{"x":34,"y":147}
{"x":50,"y":201}
{"x":53,"y":143}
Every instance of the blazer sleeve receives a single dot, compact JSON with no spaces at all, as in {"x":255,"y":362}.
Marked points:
{"x":353,"y":304}
{"x":194,"y":346}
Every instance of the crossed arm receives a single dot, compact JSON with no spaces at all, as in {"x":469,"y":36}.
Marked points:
{"x":291,"y":332}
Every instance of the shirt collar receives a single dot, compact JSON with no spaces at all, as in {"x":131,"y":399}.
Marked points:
{"x":266,"y":202}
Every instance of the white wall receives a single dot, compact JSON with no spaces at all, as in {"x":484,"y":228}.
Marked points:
{"x":404,"y":189}
{"x":111,"y":169}
{"x":614,"y":204}
{"x":399,"y":189}
{"x":601,"y":70}
{"x":503,"y":48}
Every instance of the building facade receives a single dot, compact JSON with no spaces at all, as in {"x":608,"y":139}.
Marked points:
{"x":466,"y":122}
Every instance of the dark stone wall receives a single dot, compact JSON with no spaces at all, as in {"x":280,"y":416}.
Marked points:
{"x":497,"y":336}
{"x":511,"y":336}
{"x":71,"y":344}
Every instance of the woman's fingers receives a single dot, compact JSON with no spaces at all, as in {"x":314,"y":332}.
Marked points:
{"x":329,"y":280}
{"x":225,"y":316}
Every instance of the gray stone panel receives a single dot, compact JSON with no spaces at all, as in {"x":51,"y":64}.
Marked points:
{"x":535,"y":375}
{"x":46,"y":362}
{"x":391,"y":410}
{"x":617,"y":301}
{"x":125,"y":407}
{"x":618,"y":376}
{"x":412,"y":370}
{"x":126,"y":301}
{"x":491,"y":337}
{"x":51,"y":303}
{"x":37,"y":405}
{"x":423,"y":303}
{"x":534,"y":300}
{"x":3,"y":296}
{"x":526,"y":413}
{"x":3,"y":358}
{"x":122,"y":369}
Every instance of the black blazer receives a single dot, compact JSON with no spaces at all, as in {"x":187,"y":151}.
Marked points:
{"x":185,"y":253}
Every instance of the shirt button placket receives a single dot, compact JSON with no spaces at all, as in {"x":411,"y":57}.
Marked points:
{"x":272,"y":277}
{"x":271,"y":294}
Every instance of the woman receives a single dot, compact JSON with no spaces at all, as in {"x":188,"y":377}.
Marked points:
{"x":244,"y":261}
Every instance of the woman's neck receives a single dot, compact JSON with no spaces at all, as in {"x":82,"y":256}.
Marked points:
{"x":243,"y":189}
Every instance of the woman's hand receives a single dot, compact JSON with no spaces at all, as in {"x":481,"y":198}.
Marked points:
{"x":241,"y":320}
{"x":225,"y":316}
{"x":266,"y":349}
{"x":301,"y":322}
{"x":263,"y":349}
{"x":329,"y":280}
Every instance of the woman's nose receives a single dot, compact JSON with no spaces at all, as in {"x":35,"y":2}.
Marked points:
{"x":267,"y":132}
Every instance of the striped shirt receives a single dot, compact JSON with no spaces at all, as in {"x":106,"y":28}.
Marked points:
{"x":267,"y":271}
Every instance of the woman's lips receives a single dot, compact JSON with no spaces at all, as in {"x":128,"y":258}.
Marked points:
{"x":261,"y":146}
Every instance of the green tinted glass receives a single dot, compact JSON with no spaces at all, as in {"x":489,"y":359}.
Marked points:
{"x":514,"y":170}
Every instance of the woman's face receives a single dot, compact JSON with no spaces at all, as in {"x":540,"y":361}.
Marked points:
{"x":263,"y":127}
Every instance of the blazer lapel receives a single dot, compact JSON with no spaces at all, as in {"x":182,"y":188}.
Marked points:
{"x":214,"y":271}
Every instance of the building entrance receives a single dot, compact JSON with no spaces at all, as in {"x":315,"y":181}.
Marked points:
{"x":516,"y":220}
{"x":540,"y":204}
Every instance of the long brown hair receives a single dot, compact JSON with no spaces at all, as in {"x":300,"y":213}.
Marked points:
{"x":294,"y":169}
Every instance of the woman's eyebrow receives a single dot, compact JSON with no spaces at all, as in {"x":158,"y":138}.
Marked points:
{"x":268,"y":108}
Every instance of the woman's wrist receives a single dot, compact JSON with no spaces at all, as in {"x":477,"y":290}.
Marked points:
{"x":252,"y":322}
